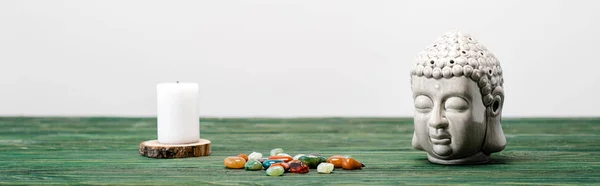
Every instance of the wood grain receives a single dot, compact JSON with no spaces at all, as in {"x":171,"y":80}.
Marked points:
{"x":105,"y":151}
{"x":154,"y":149}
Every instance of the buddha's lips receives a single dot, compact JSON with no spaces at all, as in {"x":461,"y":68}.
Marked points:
{"x":444,"y":141}
{"x":441,"y":138}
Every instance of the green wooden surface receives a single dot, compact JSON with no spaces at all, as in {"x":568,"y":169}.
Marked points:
{"x":105,"y":151}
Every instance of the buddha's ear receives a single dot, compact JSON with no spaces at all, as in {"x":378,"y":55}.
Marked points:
{"x":495,"y":140}
{"x":415,"y":142}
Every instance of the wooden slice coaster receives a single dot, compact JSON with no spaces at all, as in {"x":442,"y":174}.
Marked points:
{"x":154,"y":149}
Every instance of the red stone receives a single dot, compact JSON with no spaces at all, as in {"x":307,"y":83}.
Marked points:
{"x":298,"y":167}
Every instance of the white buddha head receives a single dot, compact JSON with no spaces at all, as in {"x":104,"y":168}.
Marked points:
{"x":458,"y":97}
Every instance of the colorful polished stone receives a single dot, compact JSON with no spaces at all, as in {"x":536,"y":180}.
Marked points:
{"x":285,"y":166}
{"x":336,"y":160}
{"x":268,"y":163}
{"x":351,"y":164}
{"x":300,"y":163}
{"x":284,"y":158}
{"x":275,"y":171}
{"x":253,"y":165}
{"x":243,"y":156}
{"x":297,"y":166}
{"x":255,"y":156}
{"x":323,"y":159}
{"x":276,"y":151}
{"x":283,"y":154}
{"x":234,"y":162}
{"x":294,"y":161}
{"x":310,"y":160}
{"x":262,"y":160}
{"x":325,"y":168}
{"x":298,"y":156}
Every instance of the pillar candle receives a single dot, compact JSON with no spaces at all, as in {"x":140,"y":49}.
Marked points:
{"x":177,"y":114}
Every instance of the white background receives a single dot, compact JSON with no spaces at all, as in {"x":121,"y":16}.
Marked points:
{"x":285,"y":58}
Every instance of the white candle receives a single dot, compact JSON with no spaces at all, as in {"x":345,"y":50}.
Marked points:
{"x":177,"y":115}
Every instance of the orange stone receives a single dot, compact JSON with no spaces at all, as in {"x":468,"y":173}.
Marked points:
{"x":336,"y":160}
{"x":351,"y":164}
{"x":284,"y":158}
{"x":284,"y":165}
{"x":243,"y":156}
{"x":234,"y":162}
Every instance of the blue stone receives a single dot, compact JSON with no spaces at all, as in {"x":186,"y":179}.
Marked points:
{"x":268,"y":163}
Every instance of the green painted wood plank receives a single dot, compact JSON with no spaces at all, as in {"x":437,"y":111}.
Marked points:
{"x":104,"y":151}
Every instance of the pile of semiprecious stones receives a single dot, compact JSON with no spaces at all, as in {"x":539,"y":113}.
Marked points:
{"x":280,"y":162}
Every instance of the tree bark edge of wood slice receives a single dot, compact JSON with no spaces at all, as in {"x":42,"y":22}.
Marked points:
{"x":154,"y":149}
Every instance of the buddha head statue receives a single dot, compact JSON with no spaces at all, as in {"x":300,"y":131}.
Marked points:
{"x":458,"y":97}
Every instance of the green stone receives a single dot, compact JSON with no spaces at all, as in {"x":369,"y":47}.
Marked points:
{"x":298,"y":156}
{"x":275,"y":171}
{"x":323,"y":159}
{"x":253,"y":165}
{"x":311,"y":161}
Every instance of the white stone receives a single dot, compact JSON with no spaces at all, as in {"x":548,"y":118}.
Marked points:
{"x":255,"y":156}
{"x":325,"y":168}
{"x":276,"y":151}
{"x":283,"y":154}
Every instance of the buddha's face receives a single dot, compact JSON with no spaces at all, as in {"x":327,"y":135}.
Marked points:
{"x":449,"y":117}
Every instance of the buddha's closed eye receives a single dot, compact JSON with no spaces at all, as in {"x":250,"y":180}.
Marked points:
{"x":457,"y":104}
{"x":423,"y":103}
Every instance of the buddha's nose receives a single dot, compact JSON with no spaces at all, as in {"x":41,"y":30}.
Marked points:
{"x":438,"y":120}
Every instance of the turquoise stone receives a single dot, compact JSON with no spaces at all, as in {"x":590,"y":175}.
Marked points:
{"x":275,"y":171}
{"x":268,"y":163}
{"x":311,"y":161}
{"x":253,"y":165}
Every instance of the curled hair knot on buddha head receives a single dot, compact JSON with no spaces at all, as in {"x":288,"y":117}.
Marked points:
{"x":457,"y":54}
